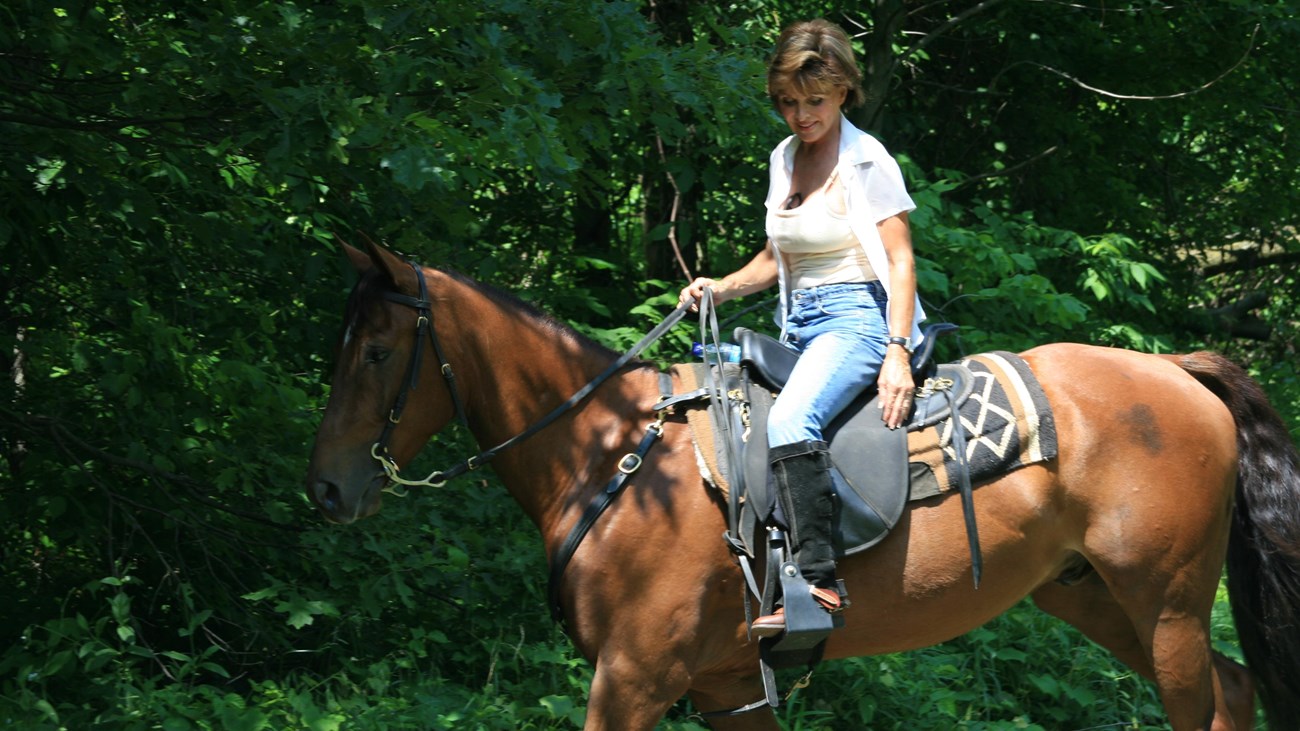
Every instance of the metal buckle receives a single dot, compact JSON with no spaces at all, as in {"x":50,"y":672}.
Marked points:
{"x":629,"y":464}
{"x":933,"y":386}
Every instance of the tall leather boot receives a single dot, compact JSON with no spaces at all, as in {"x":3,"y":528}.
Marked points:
{"x":802,"y":473}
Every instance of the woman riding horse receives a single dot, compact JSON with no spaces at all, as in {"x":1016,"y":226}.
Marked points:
{"x":840,"y":248}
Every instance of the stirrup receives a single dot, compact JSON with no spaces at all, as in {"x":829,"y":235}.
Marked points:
{"x":773,"y":624}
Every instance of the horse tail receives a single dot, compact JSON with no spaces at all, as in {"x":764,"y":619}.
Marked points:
{"x":1264,"y":546}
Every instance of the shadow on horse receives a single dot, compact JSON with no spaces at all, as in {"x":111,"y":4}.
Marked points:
{"x":1166,"y":465}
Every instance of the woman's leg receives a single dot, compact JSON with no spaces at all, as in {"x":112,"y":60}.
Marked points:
{"x":842,"y":338}
{"x":842,"y":333}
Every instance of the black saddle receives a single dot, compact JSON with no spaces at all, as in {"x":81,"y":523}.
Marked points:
{"x":869,"y":466}
{"x":870,"y":461}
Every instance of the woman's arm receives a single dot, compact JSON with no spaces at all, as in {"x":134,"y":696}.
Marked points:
{"x":895,"y":380}
{"x":759,"y":274}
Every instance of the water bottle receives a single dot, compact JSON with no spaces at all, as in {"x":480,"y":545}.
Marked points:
{"x":730,"y":351}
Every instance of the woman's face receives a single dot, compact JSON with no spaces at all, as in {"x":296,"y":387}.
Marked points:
{"x":811,"y":116}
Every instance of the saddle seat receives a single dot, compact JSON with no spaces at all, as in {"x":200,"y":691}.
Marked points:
{"x":970,"y":421}
{"x":869,"y":469}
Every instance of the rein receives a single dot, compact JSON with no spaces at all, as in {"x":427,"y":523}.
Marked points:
{"x":424,"y":330}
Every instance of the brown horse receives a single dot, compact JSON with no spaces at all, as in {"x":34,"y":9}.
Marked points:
{"x":1154,"y":452}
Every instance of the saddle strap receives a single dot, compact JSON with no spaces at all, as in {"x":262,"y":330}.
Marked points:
{"x":630,"y":463}
{"x":672,"y":401}
{"x":771,"y":696}
{"x":964,"y":487}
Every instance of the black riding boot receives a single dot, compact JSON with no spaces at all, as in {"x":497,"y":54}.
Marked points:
{"x":802,"y":473}
{"x":803,"y":479}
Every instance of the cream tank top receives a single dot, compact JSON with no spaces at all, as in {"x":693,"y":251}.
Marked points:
{"x":818,"y":243}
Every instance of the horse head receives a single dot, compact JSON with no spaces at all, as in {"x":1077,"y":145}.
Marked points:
{"x":374,"y":407}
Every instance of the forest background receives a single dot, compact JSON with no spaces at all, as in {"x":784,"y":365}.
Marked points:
{"x":172,"y":179}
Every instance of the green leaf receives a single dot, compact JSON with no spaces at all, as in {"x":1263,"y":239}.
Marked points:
{"x":303,"y":612}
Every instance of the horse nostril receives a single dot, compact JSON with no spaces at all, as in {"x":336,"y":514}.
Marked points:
{"x":327,"y":496}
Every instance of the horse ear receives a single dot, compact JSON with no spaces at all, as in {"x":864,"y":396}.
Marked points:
{"x":360,"y":259}
{"x":394,"y":267}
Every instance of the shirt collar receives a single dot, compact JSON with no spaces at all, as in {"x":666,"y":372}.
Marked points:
{"x":854,"y":148}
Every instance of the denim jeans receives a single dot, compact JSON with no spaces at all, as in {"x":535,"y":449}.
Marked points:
{"x":841,"y":333}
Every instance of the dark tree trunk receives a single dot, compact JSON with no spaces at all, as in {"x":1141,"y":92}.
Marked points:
{"x":669,"y":212}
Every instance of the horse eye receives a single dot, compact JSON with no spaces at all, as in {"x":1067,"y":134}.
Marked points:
{"x":376,"y":354}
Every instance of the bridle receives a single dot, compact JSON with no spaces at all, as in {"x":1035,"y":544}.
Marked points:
{"x":425,"y":331}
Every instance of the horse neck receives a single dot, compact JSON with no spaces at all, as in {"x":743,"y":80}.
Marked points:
{"x":515,"y":368}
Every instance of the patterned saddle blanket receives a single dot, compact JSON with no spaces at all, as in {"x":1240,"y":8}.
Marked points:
{"x":1001,"y":410}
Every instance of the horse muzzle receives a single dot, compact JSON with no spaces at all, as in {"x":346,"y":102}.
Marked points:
{"x":338,"y":506}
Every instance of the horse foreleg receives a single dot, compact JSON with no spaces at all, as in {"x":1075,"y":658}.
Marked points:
{"x":627,"y":696}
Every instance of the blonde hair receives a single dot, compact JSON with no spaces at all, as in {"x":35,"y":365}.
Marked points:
{"x":814,"y":56}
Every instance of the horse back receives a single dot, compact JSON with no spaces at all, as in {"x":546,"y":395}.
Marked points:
{"x":1138,"y":434}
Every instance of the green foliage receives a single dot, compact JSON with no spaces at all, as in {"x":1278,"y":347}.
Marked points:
{"x":1023,"y":670}
{"x":1012,"y":282}
{"x":1006,"y":675}
{"x":172,"y":178}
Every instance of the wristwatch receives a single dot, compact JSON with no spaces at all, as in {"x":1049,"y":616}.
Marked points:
{"x":898,"y":340}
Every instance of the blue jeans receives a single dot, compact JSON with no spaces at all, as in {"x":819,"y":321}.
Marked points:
{"x":841,"y":333}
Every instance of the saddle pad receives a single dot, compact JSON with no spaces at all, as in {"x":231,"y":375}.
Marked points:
{"x":1007,"y":421}
{"x":702,"y":431}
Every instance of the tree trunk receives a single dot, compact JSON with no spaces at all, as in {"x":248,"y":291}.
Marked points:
{"x":671,"y":257}
{"x":887,"y":18}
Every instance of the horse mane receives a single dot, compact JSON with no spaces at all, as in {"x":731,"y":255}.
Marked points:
{"x":372,"y":285}
{"x":539,"y":317}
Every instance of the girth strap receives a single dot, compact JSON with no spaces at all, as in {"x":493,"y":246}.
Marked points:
{"x":964,"y":487}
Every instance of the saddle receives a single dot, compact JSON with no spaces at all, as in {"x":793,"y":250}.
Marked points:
{"x":1002,"y":422}
{"x":871,"y":472}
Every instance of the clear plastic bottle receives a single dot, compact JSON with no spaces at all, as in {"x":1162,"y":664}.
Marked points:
{"x":730,"y":351}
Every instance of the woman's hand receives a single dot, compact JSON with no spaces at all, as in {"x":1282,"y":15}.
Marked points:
{"x":695,"y":291}
{"x":895,"y":386}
